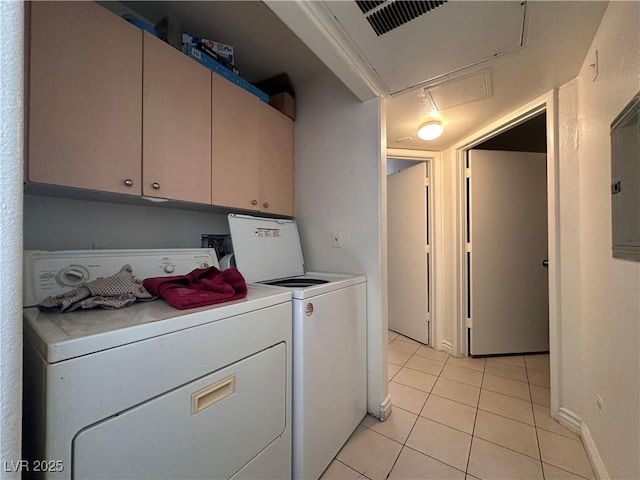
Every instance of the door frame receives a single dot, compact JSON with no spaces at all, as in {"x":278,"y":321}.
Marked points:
{"x":437,"y":273}
{"x":548,"y":103}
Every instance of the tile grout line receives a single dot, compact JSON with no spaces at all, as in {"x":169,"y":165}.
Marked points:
{"x":533,"y":413}
{"x":418,"y":416}
{"x":404,"y":443}
{"x":477,"y":403}
{"x":430,"y":392}
{"x":475,"y":420}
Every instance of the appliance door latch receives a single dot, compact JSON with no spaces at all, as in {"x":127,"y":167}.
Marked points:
{"x":616,"y":187}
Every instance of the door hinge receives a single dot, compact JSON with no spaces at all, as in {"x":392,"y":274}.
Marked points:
{"x":427,"y":249}
{"x":426,"y":182}
{"x":469,"y":323}
{"x":467,"y":172}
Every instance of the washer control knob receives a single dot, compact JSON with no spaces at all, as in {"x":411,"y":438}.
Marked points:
{"x":73,"y":276}
{"x":204,"y":265}
{"x":169,"y":268}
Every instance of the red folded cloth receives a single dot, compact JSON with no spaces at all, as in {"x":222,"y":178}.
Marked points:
{"x":201,"y":287}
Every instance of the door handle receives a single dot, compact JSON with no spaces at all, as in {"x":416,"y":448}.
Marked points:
{"x":212,"y":394}
{"x":545,"y":263}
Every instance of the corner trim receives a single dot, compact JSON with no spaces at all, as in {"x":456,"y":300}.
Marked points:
{"x":574,"y":423}
{"x":570,"y":420}
{"x":447,"y":347}
{"x":385,"y":408}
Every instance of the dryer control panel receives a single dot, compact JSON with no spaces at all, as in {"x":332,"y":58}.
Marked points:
{"x":54,"y":272}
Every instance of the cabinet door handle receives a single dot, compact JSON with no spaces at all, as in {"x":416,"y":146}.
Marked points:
{"x":128,"y":182}
{"x":156,"y":185}
{"x":254,"y":202}
{"x":265,"y":205}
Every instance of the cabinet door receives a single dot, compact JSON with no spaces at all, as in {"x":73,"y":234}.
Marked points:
{"x":276,"y":162}
{"x":176,"y":124}
{"x":235,"y":143}
{"x":85,"y":98}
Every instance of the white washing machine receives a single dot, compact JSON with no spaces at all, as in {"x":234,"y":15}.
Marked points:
{"x":329,"y":338}
{"x":149,"y":391}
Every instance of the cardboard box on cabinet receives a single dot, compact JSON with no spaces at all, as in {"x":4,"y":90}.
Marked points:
{"x":285,"y":103}
{"x":225,"y":51}
{"x":210,"y":63}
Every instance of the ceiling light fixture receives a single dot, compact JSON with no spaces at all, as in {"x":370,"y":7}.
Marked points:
{"x":430,"y":130}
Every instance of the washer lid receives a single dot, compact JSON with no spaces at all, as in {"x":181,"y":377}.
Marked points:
{"x":266,"y":248}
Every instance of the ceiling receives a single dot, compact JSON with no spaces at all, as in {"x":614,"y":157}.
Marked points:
{"x":466,"y":63}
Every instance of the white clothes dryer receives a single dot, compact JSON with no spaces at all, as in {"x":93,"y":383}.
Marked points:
{"x":329,"y":338}
{"x":149,"y":391}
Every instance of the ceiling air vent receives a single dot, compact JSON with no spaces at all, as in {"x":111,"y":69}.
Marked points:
{"x":366,"y":5}
{"x":394,"y":13}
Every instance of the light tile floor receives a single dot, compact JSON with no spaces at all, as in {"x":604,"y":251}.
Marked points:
{"x":462,"y":418}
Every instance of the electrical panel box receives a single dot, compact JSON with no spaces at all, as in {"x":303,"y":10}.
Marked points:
{"x":625,"y":182}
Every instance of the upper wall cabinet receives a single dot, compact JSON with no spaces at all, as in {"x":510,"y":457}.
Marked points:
{"x":235,"y":144}
{"x":115,"y":109}
{"x":252,"y":152}
{"x":176,"y":151}
{"x":85,"y":98}
{"x":277,"y":156}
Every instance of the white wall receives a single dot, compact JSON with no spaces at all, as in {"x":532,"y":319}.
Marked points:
{"x":601,"y":317}
{"x":52,"y":223}
{"x":340,"y":186}
{"x":11,"y":145}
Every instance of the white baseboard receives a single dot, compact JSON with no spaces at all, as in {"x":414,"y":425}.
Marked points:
{"x":447,"y":347}
{"x":593,"y":454}
{"x":570,"y":420}
{"x":574,"y":423}
{"x":385,"y":408}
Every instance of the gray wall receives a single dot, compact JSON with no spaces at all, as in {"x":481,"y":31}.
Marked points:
{"x":52,"y":223}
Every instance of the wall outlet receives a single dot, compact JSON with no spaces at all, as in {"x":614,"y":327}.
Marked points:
{"x":336,"y":239}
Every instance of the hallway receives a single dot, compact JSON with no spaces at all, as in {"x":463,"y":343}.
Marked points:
{"x":463,"y":418}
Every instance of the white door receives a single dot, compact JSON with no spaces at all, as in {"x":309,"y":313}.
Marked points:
{"x":408,"y":252}
{"x":508,"y":247}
